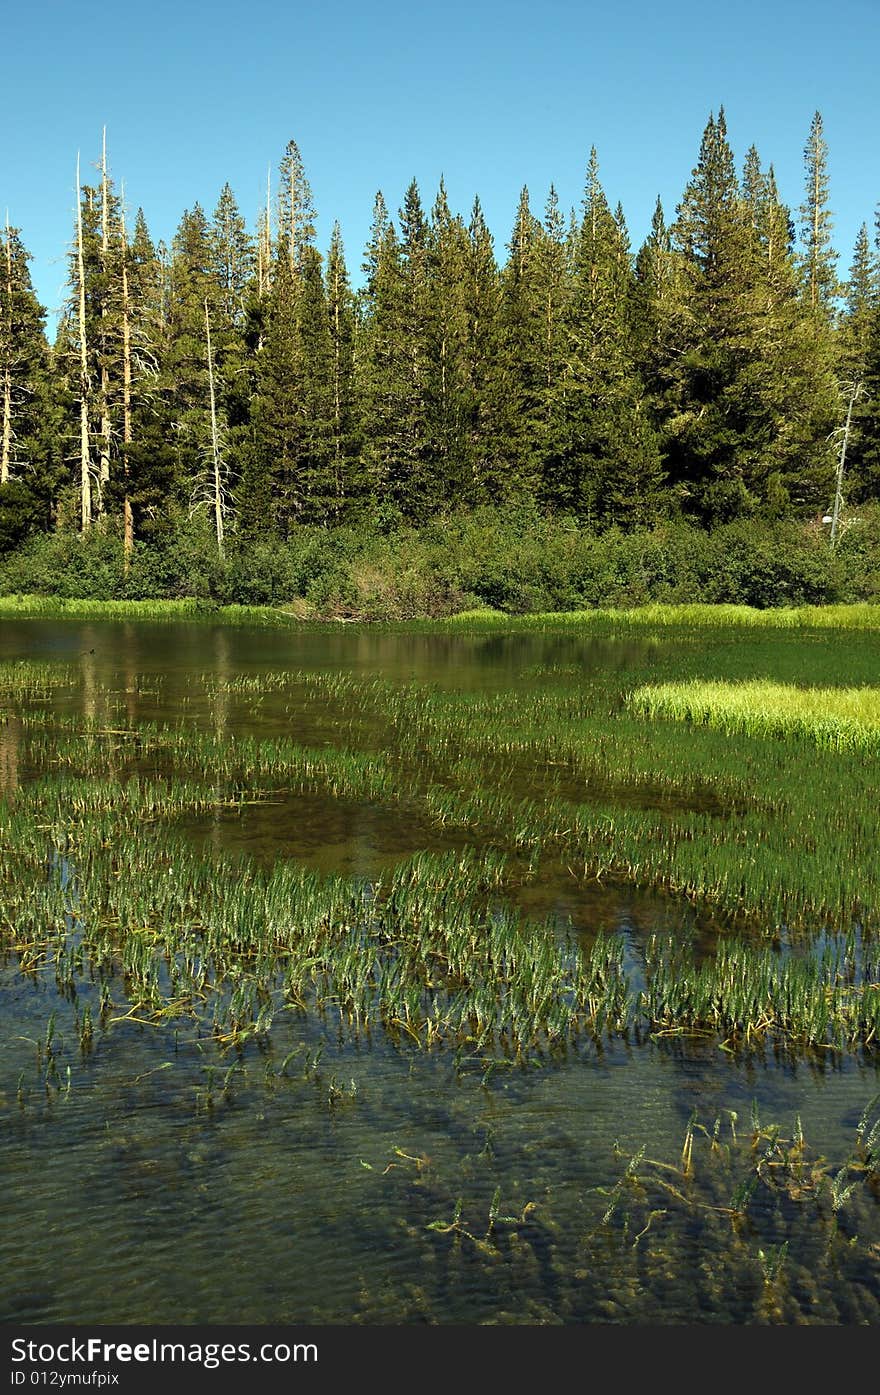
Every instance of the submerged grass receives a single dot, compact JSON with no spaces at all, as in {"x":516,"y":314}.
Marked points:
{"x":775,"y":830}
{"x":25,"y":680}
{"x":772,"y":831}
{"x":126,"y":914}
{"x":222,"y":972}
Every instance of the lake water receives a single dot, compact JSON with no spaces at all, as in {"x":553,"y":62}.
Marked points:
{"x":153,"y":1179}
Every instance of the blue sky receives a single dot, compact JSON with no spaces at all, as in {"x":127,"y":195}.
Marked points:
{"x":490,"y":95}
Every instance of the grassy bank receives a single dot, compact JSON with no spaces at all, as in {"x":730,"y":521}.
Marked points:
{"x":855,"y":616}
{"x":32,"y":607}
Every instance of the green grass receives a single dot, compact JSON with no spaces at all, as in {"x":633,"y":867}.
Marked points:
{"x":840,"y":718}
{"x":772,"y":832}
{"x":855,"y":616}
{"x":770,"y":828}
{"x":53,"y":607}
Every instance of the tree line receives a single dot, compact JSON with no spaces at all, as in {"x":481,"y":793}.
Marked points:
{"x":707,"y":373}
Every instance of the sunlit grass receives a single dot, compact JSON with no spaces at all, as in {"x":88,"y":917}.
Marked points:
{"x":855,"y":616}
{"x":842,"y":718}
{"x":55,"y":607}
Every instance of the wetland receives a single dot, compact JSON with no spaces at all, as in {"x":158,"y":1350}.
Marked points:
{"x":472,"y":973}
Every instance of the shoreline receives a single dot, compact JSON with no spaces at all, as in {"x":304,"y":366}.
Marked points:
{"x":853,"y":615}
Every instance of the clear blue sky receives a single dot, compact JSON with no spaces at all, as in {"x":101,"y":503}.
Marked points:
{"x":491,"y":94}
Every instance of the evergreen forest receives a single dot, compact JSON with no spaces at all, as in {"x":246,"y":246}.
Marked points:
{"x":236,"y":416}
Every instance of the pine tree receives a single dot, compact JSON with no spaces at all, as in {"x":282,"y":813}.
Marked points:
{"x":192,"y":281}
{"x":862,"y":297}
{"x":416,"y":486}
{"x":92,"y":345}
{"x":289,"y":475}
{"x":818,"y":259}
{"x":108,"y":329}
{"x":233,"y":272}
{"x":610,"y":469}
{"x":554,"y":279}
{"x":662,"y":328}
{"x":860,"y":370}
{"x":269,"y":493}
{"x":232,"y":257}
{"x":318,"y":489}
{"x":756,"y":395}
{"x":29,"y":466}
{"x":296,"y":213}
{"x":524,"y":313}
{"x":342,"y":323}
{"x":484,"y":396}
{"x":150,"y":455}
{"x":382,"y":369}
{"x":794,"y":380}
{"x":446,"y":348}
{"x":716,"y":437}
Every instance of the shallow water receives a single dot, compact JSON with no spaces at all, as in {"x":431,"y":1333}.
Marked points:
{"x":154,"y":1179}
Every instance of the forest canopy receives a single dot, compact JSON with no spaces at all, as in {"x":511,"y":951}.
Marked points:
{"x":705,"y":376}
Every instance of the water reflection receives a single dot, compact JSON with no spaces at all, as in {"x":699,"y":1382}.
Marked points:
{"x":10,"y":746}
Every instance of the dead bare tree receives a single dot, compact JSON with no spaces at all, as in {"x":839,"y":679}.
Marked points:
{"x":84,"y":383}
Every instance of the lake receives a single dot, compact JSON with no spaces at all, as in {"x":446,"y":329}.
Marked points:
{"x":344,"y":979}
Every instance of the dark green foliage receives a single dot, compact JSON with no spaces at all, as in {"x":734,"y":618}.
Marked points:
{"x":32,"y":472}
{"x":347,"y":476}
{"x":191,"y":282}
{"x":20,"y":514}
{"x":609,"y":464}
{"x":742,"y":370}
{"x":582,"y":383}
{"x":860,"y":372}
{"x":517,"y":559}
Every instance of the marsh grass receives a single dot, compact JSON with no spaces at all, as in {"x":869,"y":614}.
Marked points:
{"x":839,"y":718}
{"x":771,"y":829}
{"x":27,"y":680}
{"x":436,"y":954}
{"x":855,"y":616}
{"x":58,"y":607}
{"x":228,"y":978}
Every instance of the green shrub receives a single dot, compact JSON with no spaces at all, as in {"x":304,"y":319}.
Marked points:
{"x":517,"y":561}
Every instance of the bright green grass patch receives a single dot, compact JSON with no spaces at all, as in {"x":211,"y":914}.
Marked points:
{"x":860,"y":616}
{"x":841,"y":718}
{"x":49,"y":607}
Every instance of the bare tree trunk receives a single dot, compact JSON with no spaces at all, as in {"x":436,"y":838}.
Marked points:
{"x":104,"y":461}
{"x":264,"y":248}
{"x":337,"y":395}
{"x":85,"y":463}
{"x":264,"y":240}
{"x":6,"y":455}
{"x":291,"y":251}
{"x":814,"y":250}
{"x":127,"y":516}
{"x":215,"y":443}
{"x":855,"y":391}
{"x":6,"y":452}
